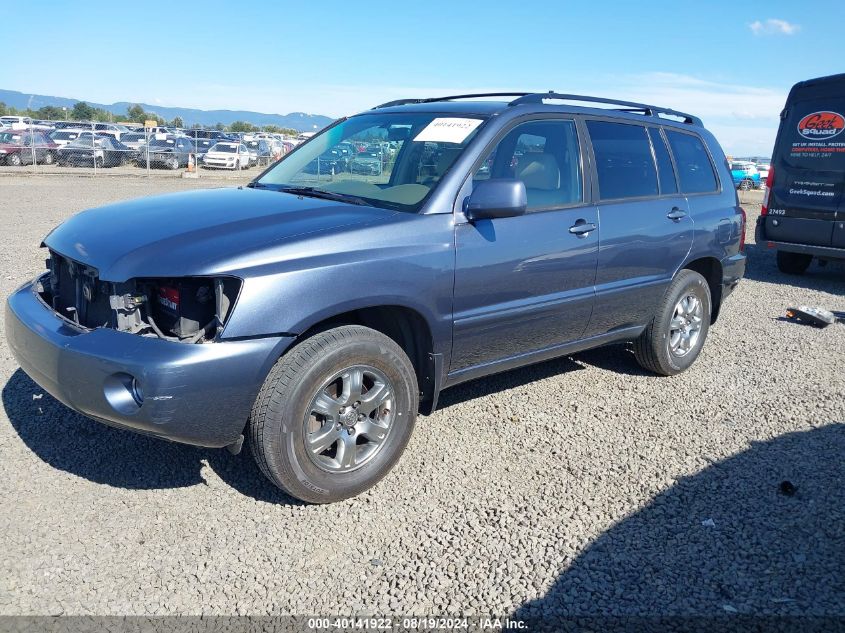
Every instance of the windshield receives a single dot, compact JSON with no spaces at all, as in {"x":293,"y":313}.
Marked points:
{"x":397,"y":159}
{"x":221,"y":147}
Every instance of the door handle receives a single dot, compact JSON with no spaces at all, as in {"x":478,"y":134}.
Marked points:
{"x":676,"y":214}
{"x":581,"y":228}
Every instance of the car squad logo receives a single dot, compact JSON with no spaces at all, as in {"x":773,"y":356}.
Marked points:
{"x":821,"y":125}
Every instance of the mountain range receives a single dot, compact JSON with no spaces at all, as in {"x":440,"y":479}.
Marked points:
{"x":297,"y":120}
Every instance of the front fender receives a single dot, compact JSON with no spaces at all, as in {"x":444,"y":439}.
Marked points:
{"x":409,"y":263}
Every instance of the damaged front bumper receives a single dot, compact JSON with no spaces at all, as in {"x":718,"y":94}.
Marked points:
{"x":195,"y":394}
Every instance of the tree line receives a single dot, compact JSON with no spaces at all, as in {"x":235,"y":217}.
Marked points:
{"x":82,"y":111}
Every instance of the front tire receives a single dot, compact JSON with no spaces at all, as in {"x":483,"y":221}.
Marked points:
{"x":793,"y":263}
{"x":335,"y":414}
{"x":676,"y":334}
{"x":14,"y":160}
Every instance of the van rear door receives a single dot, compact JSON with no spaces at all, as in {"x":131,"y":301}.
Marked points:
{"x":806,"y":202}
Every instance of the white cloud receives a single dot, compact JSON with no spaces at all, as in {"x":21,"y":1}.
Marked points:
{"x":773,"y":26}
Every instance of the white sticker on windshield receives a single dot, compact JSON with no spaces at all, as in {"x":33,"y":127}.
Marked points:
{"x":448,"y":130}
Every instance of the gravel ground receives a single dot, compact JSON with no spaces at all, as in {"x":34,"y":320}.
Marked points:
{"x":579,"y":486}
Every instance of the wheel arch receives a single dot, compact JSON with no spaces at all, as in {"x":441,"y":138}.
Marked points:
{"x":404,"y":325}
{"x":711,"y":269}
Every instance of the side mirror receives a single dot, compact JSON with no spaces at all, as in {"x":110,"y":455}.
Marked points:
{"x":496,"y":198}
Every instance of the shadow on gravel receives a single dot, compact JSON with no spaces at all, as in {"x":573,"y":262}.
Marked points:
{"x":506,"y":380}
{"x":71,"y":442}
{"x":762,"y":266}
{"x":728,"y":542}
{"x":618,"y":358}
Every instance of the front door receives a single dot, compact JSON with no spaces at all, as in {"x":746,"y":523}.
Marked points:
{"x":525,"y":283}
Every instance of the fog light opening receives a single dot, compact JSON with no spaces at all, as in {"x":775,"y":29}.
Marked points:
{"x":124,"y":393}
{"x":137,"y":392}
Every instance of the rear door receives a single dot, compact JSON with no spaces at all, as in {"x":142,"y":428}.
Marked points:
{"x":646,"y":227}
{"x":806,"y":203}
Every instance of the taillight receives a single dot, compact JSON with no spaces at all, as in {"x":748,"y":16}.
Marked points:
{"x":741,"y":229}
{"x":770,"y":179}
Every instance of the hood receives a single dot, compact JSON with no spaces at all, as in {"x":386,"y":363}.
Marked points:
{"x":196,"y":232}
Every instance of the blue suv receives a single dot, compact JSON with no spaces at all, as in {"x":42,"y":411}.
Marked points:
{"x":315,"y":313}
{"x":745,"y":176}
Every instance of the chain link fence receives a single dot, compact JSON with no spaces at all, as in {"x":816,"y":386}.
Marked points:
{"x":112,"y":149}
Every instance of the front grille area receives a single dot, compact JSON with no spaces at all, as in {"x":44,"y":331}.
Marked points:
{"x":76,"y":293}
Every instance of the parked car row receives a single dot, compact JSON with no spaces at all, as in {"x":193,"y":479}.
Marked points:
{"x":24,"y":142}
{"x":112,"y":145}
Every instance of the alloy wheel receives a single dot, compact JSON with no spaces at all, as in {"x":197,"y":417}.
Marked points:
{"x":349,"y":419}
{"x":685,"y":326}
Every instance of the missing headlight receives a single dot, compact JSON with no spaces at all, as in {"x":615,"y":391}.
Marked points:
{"x":186,"y":309}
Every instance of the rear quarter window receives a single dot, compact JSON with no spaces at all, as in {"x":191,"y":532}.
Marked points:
{"x":695,"y":170}
{"x":624,"y":163}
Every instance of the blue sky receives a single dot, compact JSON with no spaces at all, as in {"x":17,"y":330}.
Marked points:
{"x":731,"y":63}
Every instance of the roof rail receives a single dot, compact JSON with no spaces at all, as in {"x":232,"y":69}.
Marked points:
{"x":399,"y":102}
{"x":627,"y":106}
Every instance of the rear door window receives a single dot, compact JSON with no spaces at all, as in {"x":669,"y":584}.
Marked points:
{"x":665,"y":170}
{"x":695,"y":170}
{"x":624,"y":163}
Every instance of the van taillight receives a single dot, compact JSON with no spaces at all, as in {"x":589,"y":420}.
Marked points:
{"x":770,"y":179}
{"x":741,"y":229}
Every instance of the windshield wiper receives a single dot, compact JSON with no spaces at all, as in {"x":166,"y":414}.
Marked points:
{"x":313,"y":192}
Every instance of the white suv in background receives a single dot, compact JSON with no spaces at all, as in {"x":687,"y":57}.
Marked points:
{"x":225,"y":155}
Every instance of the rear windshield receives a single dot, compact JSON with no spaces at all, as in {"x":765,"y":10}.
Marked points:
{"x":813,"y":134}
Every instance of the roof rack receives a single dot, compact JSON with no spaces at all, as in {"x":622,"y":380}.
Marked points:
{"x":399,"y":102}
{"x":627,"y":106}
{"x":538,"y":97}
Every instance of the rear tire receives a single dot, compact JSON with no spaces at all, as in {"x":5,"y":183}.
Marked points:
{"x":793,"y":263}
{"x":745,"y":185}
{"x":49,"y":158}
{"x":676,"y":334}
{"x":173,"y":163}
{"x":321,"y":458}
